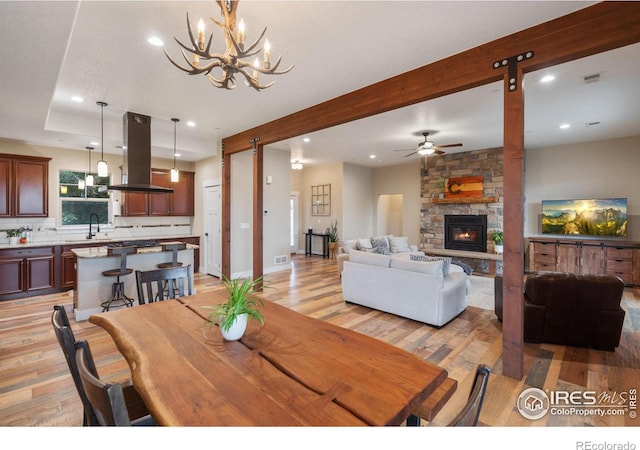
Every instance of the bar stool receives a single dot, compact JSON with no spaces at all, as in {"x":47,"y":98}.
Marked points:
{"x":173,"y":248}
{"x":117,"y":289}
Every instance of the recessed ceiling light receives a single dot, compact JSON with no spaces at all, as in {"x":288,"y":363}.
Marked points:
{"x":95,"y":144}
{"x":564,"y":126}
{"x":178,"y":155}
{"x":155,"y":41}
{"x":372,"y":156}
{"x":306,"y":140}
{"x":77,"y":98}
{"x":191,"y":123}
{"x":547,"y":79}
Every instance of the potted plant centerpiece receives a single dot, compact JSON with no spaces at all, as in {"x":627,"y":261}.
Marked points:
{"x":333,"y":237}
{"x":498,"y":241}
{"x":242,"y":304}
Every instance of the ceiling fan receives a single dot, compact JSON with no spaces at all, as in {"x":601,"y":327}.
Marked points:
{"x":427,"y":147}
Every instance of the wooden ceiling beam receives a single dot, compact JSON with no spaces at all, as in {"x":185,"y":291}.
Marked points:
{"x":592,"y":30}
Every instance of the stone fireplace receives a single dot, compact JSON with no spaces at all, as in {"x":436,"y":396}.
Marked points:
{"x":465,"y":232}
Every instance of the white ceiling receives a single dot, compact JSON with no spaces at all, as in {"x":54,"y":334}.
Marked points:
{"x":53,"y":50}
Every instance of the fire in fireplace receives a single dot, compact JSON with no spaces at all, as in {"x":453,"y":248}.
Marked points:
{"x":465,"y":232}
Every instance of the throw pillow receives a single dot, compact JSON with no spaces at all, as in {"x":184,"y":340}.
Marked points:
{"x":380,"y":244}
{"x":350,"y":244}
{"x":364,"y":244}
{"x":363,"y":257}
{"x":399,"y":244}
{"x":446,"y":261}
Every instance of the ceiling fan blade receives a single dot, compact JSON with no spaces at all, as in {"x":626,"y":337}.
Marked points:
{"x":406,"y":156}
{"x":438,"y":152}
{"x":449,"y":145}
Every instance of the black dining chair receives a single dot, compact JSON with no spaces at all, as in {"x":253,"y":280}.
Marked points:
{"x":470,"y":412}
{"x":68,"y":342}
{"x":163,"y":284}
{"x":107,"y":399}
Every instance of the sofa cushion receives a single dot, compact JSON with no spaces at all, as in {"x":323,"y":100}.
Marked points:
{"x":446,"y":261}
{"x":373,"y":259}
{"x":399,"y":244}
{"x":380,"y":244}
{"x":430,"y":267}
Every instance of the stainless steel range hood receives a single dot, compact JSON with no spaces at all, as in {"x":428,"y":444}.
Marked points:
{"x":136,"y":170}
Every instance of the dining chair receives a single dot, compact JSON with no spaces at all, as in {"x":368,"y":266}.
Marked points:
{"x":107,"y":399}
{"x":163,"y":284}
{"x":67,"y":342}
{"x":470,"y":412}
{"x":468,"y":415}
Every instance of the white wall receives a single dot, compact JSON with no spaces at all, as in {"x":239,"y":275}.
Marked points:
{"x":327,"y":174}
{"x":402,"y":179}
{"x":358,"y":202}
{"x":602,"y":169}
{"x":276,"y":224}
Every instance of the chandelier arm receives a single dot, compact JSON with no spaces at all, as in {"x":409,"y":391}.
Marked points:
{"x":194,"y":70}
{"x":251,"y":82}
{"x":224,"y":82}
{"x":245,"y":53}
{"x":273,"y":70}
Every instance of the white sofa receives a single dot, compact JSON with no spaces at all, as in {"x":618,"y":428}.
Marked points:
{"x":413,"y":289}
{"x":394,"y":245}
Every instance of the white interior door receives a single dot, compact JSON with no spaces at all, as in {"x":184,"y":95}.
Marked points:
{"x":212,"y":227}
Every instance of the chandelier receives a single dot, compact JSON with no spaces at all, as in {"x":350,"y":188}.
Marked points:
{"x":235,"y":58}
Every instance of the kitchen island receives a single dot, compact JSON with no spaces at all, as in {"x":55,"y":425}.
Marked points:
{"x":92,"y":288}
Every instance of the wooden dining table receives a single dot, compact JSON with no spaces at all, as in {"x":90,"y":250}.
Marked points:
{"x":292,"y":371}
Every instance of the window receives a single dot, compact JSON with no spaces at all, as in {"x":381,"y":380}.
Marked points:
{"x":77,"y":205}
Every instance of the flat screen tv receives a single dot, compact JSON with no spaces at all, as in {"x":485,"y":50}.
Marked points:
{"x":585,"y":217}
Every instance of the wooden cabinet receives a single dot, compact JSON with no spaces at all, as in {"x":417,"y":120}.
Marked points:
{"x":27,"y":270}
{"x":587,"y":257}
{"x":24,"y":186}
{"x":183,"y":195}
{"x":619,"y":262}
{"x":178,"y":203}
{"x":135,"y":204}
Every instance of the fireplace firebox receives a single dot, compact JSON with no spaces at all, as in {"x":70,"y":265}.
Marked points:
{"x":465,"y":232}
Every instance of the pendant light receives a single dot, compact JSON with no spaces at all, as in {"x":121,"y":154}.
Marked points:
{"x":175,"y":175}
{"x":89,"y":179}
{"x":103,"y":169}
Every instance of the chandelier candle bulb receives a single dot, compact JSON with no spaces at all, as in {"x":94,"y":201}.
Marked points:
{"x":201,"y":34}
{"x":267,"y":54}
{"x":241,"y":28}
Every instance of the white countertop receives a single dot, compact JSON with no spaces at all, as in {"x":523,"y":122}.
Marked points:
{"x":101,"y":252}
{"x":97,"y":241}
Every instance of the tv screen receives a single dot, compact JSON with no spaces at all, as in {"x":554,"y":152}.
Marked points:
{"x":587,"y":217}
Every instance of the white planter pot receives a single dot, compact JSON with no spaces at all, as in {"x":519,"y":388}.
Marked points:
{"x":237,"y":328}
{"x":499,"y":249}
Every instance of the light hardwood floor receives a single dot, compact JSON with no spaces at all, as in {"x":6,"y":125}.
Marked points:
{"x":36,"y":388}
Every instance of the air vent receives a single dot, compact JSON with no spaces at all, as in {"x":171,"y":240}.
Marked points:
{"x":281,"y":259}
{"x":593,"y":78}
{"x":592,"y":124}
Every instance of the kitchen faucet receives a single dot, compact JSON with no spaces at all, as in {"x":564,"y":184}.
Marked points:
{"x":92,"y":234}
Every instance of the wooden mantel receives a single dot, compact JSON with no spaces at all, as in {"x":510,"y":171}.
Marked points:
{"x":467,"y":200}
{"x":595,"y":29}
